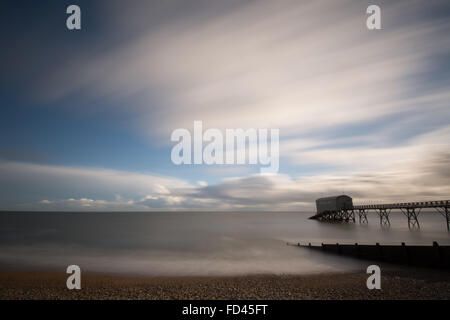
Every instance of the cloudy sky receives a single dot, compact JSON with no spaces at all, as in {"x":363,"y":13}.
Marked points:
{"x":86,"y":116}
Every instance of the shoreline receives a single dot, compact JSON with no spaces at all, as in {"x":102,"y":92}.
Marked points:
{"x":407,"y":283}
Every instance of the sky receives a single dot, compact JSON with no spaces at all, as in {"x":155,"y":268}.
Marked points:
{"x":87,"y":115}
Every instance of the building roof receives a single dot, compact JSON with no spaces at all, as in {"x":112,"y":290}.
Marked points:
{"x":334,"y":197}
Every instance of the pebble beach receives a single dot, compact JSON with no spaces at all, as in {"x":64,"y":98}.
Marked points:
{"x":402,"y":284}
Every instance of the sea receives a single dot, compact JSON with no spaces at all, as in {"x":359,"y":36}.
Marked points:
{"x":196,"y":243}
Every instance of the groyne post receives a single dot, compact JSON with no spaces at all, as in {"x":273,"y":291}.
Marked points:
{"x":439,"y":252}
{"x":358,"y":252}
{"x":407,"y":256}
{"x":380,"y":251}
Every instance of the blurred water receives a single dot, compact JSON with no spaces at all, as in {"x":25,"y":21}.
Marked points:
{"x":189,"y":243}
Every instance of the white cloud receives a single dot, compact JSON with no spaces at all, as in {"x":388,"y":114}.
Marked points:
{"x":202,"y":183}
{"x":83,"y":204}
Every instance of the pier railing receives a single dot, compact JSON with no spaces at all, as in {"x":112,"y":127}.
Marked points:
{"x":416,"y":205}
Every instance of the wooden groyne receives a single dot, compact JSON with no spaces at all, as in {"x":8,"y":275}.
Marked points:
{"x":432,"y":256}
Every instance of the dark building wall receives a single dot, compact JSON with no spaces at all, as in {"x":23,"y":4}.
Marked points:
{"x":337,"y":203}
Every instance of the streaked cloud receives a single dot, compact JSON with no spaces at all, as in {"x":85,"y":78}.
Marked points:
{"x":292,"y":65}
{"x":427,"y":178}
{"x":31,"y":183}
{"x":369,"y":108}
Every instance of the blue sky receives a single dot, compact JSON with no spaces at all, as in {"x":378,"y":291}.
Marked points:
{"x":87,"y":115}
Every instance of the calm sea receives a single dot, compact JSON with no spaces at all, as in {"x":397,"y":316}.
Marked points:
{"x":189,"y":243}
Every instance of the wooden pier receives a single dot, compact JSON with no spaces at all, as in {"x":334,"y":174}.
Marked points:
{"x":411,"y":210}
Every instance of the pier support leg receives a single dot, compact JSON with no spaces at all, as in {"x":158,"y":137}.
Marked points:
{"x":384,"y":217}
{"x":362,"y":216}
{"x":334,"y":216}
{"x":413,"y":221}
{"x":348,"y":215}
{"x":445,"y":212}
{"x":339,"y":215}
